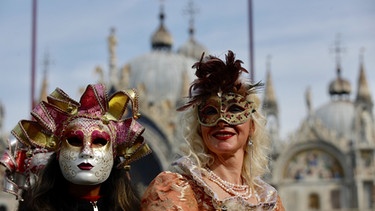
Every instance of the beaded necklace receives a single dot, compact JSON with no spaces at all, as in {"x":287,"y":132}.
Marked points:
{"x":243,"y":191}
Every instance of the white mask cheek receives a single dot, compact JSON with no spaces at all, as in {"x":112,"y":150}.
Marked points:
{"x":68,"y":161}
{"x":103,"y":162}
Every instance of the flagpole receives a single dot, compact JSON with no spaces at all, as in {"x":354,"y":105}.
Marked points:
{"x":33,"y":51}
{"x":251,"y":47}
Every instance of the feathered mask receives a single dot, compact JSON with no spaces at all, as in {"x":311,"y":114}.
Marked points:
{"x":36,"y":139}
{"x":215,"y":77}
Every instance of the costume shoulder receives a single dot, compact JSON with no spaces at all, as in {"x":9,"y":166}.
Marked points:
{"x":279,"y":205}
{"x":169,"y":191}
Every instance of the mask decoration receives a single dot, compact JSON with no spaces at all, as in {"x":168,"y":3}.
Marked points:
{"x":231,"y":108}
{"x":88,"y":136}
{"x":219,"y":91}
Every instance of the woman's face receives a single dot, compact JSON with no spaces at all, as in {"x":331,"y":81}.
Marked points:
{"x":86,"y":156}
{"x":225,"y":123}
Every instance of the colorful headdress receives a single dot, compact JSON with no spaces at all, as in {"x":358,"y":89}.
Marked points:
{"x":215,"y":77}
{"x":37,"y":139}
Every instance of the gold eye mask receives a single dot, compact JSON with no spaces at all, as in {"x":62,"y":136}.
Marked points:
{"x":232,"y":108}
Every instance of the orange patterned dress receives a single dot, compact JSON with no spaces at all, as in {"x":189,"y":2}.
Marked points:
{"x":187,"y":191}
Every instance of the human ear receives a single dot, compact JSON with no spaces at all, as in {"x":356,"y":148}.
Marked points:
{"x":252,"y":128}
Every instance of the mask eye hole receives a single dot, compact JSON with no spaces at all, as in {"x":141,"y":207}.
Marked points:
{"x":99,"y":142}
{"x":209,"y":111}
{"x":75,"y":141}
{"x":235,"y":109}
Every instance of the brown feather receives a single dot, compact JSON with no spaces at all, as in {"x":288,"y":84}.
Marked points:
{"x":215,"y":75}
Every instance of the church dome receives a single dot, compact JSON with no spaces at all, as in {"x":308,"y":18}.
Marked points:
{"x":162,"y":75}
{"x":192,"y":49}
{"x":337,"y":116}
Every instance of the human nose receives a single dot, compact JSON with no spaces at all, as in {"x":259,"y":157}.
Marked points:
{"x":86,"y":151}
{"x":222,"y":123}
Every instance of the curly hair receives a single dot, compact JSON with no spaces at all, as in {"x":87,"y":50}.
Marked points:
{"x":227,"y":78}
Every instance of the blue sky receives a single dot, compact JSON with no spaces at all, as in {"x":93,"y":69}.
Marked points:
{"x":298,"y":35}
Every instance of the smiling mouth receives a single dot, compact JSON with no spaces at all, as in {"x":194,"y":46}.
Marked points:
{"x":223,"y":135}
{"x":85,"y":166}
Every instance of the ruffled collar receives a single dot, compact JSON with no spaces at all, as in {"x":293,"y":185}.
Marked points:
{"x":266,"y":194}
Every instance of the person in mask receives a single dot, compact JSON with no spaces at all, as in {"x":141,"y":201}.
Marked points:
{"x":77,"y":155}
{"x":227,"y":146}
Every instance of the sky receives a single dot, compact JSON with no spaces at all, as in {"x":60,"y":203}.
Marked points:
{"x":298,"y":36}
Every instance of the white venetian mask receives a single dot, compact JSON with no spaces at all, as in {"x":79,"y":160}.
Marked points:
{"x":86,"y":155}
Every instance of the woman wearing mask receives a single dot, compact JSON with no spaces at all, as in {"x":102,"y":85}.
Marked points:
{"x":227,"y":146}
{"x":76,"y":155}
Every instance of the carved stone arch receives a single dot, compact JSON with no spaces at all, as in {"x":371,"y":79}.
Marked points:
{"x":146,"y":169}
{"x":295,"y":149}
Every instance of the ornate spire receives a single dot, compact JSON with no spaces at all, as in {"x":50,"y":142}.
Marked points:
{"x":191,"y":10}
{"x":113,"y":73}
{"x":269,"y":100}
{"x":339,"y":86}
{"x":191,"y":48}
{"x":363,"y":91}
{"x":44,"y":88}
{"x":308,"y":99}
{"x":162,"y":39}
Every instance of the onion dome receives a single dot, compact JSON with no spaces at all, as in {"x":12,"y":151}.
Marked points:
{"x":162,"y":39}
{"x":192,"y":48}
{"x":339,"y":86}
{"x":339,"y":114}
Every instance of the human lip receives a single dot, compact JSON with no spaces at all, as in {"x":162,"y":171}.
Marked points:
{"x":85,"y":166}
{"x":223,"y":135}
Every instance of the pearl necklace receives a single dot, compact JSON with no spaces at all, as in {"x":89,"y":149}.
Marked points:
{"x":242,"y":191}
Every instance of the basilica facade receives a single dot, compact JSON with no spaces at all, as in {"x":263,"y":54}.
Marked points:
{"x":328,"y":163}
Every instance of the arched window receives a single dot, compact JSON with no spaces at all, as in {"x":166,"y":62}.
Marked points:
{"x":314,"y":201}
